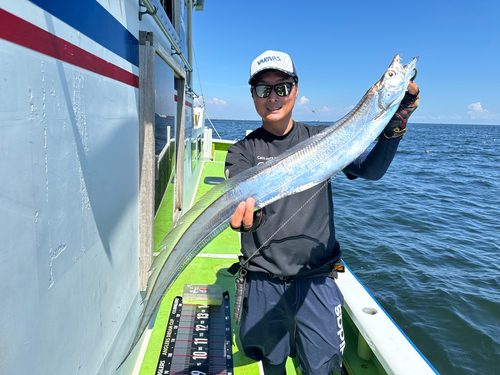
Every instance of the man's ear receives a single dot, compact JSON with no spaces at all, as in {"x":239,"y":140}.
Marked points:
{"x":251,"y":90}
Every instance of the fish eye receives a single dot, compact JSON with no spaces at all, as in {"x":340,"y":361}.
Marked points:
{"x":391,"y":73}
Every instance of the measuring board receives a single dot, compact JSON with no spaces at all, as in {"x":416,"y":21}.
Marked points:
{"x":198,"y":340}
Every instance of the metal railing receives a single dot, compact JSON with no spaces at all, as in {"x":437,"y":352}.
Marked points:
{"x":152,"y":12}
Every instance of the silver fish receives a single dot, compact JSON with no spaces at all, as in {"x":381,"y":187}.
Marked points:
{"x":301,"y":167}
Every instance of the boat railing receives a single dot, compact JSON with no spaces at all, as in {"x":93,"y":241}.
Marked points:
{"x":379,"y":335}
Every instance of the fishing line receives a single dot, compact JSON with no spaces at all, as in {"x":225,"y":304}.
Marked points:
{"x":199,"y":80}
{"x":201,"y":89}
{"x":285,"y":223}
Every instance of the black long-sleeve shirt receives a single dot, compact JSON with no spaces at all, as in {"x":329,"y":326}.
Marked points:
{"x":306,"y":245}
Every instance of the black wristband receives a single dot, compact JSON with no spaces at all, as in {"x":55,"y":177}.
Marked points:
{"x":259,"y":218}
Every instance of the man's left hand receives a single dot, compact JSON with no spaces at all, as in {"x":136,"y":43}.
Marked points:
{"x":412,"y":88}
{"x":397,"y":125}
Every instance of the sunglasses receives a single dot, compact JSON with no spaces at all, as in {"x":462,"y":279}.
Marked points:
{"x":281,"y":89}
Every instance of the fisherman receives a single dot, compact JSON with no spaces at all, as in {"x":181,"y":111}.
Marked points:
{"x":292,"y":305}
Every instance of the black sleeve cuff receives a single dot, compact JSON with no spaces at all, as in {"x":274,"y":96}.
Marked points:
{"x":410,"y":98}
{"x":349,"y":175}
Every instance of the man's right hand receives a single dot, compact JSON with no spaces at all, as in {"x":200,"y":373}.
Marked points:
{"x":243,"y":216}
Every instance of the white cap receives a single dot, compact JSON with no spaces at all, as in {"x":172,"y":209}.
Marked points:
{"x":273,"y":60}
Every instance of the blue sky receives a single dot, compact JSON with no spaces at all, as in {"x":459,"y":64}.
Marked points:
{"x":340,"y":48}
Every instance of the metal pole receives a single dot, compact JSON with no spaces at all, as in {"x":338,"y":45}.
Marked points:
{"x":213,"y":126}
{"x":146,"y":155}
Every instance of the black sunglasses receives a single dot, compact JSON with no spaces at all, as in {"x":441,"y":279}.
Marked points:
{"x":281,"y":89}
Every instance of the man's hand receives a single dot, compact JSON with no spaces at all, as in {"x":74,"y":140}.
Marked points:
{"x":397,"y":125}
{"x":243,"y":216}
{"x":246,"y":219}
{"x":412,"y":88}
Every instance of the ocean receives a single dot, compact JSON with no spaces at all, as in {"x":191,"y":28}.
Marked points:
{"x":425,"y":240}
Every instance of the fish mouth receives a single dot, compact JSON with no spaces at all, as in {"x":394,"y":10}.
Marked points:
{"x":405,"y":72}
{"x":392,"y":86}
{"x":410,"y":68}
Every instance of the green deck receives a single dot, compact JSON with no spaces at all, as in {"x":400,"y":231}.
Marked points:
{"x":213,"y":270}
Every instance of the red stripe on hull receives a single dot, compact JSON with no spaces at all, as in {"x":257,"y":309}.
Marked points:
{"x":186,"y":102}
{"x":23,"y":33}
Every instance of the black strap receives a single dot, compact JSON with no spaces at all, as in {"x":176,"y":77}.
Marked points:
{"x":233,"y":270}
{"x":259,"y":219}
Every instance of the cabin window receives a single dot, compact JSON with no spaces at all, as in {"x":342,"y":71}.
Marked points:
{"x":169,"y":9}
{"x":172,"y":9}
{"x":165,"y":105}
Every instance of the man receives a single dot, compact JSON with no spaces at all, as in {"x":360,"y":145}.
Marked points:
{"x":292,"y":305}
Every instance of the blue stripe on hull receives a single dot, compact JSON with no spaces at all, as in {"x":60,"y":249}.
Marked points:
{"x":94,"y":21}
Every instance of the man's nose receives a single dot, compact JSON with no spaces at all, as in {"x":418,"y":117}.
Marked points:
{"x":273,"y":96}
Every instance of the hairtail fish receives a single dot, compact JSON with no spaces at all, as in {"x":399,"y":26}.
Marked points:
{"x":301,"y":167}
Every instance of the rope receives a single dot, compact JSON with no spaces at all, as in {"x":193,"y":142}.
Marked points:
{"x":198,"y":74}
{"x":203,"y":96}
{"x":212,"y":125}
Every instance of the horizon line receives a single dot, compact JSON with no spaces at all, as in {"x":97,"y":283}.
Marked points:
{"x":322,"y":121}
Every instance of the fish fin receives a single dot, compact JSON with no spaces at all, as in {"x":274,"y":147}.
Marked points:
{"x":378,"y":116}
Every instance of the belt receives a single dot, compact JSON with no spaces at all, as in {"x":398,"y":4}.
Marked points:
{"x":282,"y":278}
{"x":337,"y":267}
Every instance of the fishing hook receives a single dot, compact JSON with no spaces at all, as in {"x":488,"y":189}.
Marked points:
{"x":415,"y":75}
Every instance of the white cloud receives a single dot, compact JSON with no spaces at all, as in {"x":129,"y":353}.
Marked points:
{"x":477,"y":111}
{"x":218,"y":102}
{"x":303,"y":100}
{"x":325,"y":109}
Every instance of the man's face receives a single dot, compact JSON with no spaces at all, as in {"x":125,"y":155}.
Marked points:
{"x":274,"y":108}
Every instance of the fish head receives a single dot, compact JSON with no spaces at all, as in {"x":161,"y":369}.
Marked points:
{"x":393,"y":84}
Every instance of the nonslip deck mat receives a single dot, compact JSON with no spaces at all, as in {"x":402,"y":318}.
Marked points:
{"x":198,"y":340}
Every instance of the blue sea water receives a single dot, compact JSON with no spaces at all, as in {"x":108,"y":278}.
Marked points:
{"x":425,"y":240}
